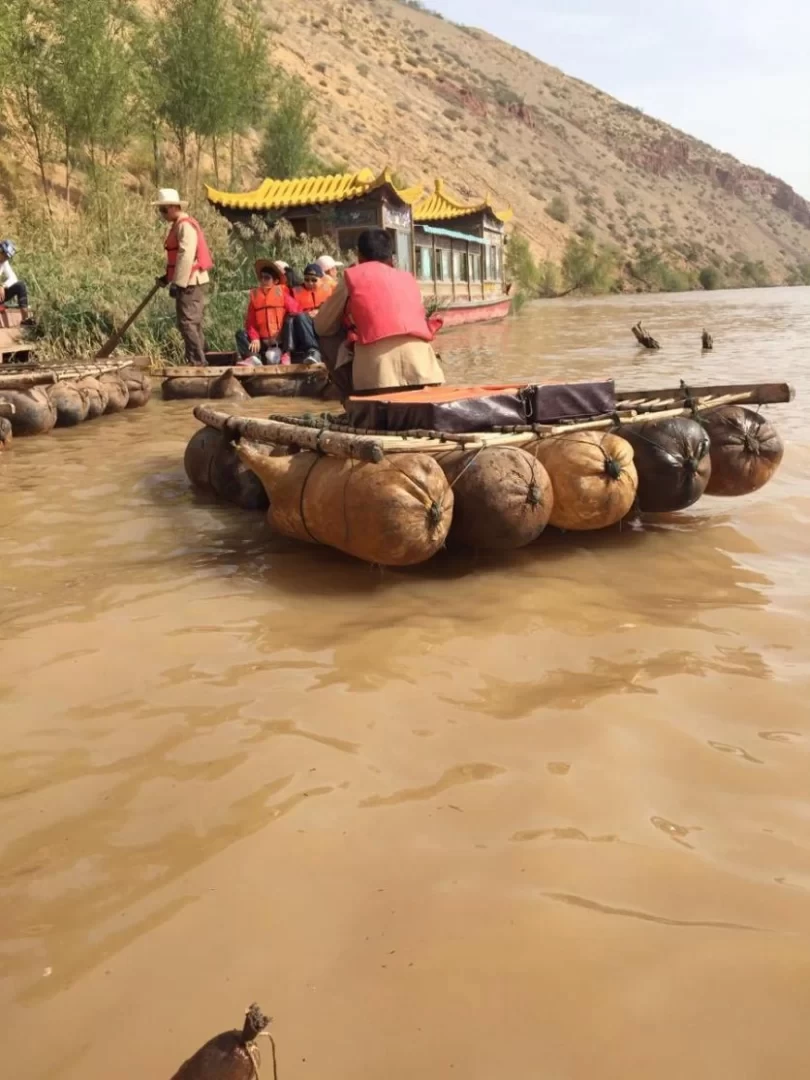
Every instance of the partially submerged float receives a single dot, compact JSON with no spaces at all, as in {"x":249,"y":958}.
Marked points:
{"x":35,"y":398}
{"x":394,"y":478}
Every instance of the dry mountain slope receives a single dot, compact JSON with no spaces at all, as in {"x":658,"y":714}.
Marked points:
{"x":401,"y":86}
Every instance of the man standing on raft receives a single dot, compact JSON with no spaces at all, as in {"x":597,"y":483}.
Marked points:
{"x":188,"y":261}
{"x":388,"y":343}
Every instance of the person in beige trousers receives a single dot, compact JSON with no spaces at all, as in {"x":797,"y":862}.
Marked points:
{"x":188,"y":260}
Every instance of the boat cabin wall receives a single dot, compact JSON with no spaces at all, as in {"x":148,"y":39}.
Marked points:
{"x":457,"y":269}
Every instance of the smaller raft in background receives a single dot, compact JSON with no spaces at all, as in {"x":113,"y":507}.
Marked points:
{"x":393,"y":497}
{"x":47,"y":396}
{"x":235,"y":381}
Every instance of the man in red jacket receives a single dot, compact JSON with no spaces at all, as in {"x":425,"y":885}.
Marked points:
{"x":389,"y":332}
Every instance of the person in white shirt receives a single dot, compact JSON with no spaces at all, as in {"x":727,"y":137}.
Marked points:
{"x":330,"y":270}
{"x":11,"y":288}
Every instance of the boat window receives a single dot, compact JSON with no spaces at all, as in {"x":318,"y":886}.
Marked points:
{"x":441,"y":265}
{"x":403,"y":242}
{"x":460,"y":266}
{"x":424,"y":263}
{"x":492,"y":274}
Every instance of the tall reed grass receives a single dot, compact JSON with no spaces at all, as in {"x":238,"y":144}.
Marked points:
{"x":87,"y":272}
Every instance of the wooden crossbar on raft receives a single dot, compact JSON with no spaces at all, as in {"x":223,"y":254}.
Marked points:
{"x":280,"y":433}
{"x":45,"y":375}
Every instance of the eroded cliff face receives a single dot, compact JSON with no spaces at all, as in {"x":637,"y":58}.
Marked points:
{"x":400,"y":86}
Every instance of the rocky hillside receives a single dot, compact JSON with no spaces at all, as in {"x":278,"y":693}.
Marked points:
{"x":403,"y":87}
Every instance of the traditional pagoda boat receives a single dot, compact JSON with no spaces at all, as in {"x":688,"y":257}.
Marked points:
{"x":35,"y":398}
{"x":455,"y":249}
{"x":394,"y":478}
{"x":459,"y":256}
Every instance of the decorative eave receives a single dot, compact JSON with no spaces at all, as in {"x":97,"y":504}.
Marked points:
{"x":311,"y":191}
{"x":439,"y":206}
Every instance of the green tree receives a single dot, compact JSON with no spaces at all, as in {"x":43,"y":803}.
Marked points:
{"x":710,"y":278}
{"x":194,"y":58}
{"x":250,"y":79}
{"x":25,"y":63}
{"x":559,"y":209}
{"x":755,"y":273}
{"x":652,"y":270}
{"x":799,"y":274}
{"x":520,"y":265}
{"x":90,"y":88}
{"x":286,"y":147}
{"x":548,"y":279}
{"x":586,"y":267}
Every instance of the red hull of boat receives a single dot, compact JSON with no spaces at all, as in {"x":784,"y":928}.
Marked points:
{"x":461,"y":314}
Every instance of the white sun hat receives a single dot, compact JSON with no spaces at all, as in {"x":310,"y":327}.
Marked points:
{"x":281,"y":264}
{"x":169,"y":197}
{"x":326,"y":263}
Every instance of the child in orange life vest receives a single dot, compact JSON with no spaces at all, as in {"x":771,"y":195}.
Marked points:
{"x":269,"y":304}
{"x":313,"y":292}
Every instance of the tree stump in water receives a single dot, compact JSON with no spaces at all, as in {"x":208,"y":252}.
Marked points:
{"x":706,"y":341}
{"x":643,"y":338}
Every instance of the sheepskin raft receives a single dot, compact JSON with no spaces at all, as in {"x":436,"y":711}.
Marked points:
{"x":45,"y":396}
{"x":235,"y":381}
{"x":395,"y":497}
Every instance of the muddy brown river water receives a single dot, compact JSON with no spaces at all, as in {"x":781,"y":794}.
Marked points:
{"x":538,"y":816}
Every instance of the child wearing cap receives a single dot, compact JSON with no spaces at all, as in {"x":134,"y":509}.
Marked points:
{"x":11,"y":288}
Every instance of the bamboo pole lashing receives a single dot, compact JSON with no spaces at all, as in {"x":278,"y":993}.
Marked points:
{"x":280,"y":433}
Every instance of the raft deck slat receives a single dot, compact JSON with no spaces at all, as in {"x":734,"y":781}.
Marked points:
{"x":760,"y":393}
{"x":279,"y":371}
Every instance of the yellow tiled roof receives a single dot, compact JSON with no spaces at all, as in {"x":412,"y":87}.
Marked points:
{"x":439,"y":206}
{"x":310,"y":190}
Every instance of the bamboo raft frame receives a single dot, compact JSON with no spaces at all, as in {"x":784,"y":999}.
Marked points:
{"x":328,"y":435}
{"x":48,"y":374}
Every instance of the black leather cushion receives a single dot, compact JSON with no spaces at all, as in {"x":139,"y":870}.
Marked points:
{"x":460,"y":409}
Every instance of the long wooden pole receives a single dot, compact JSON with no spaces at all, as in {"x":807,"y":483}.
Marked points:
{"x":334,"y":443}
{"x":112,"y":343}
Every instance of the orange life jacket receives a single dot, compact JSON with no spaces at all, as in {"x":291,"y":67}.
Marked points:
{"x":202,"y":260}
{"x":384,"y":302}
{"x":311,"y":299}
{"x":268,"y":307}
